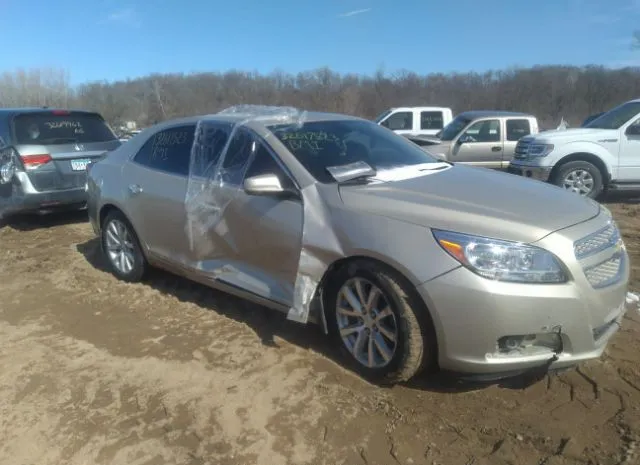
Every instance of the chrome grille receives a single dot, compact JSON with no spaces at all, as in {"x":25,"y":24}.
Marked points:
{"x":597,"y":242}
{"x":605,"y":273}
{"x":521,"y":148}
{"x":608,"y":270}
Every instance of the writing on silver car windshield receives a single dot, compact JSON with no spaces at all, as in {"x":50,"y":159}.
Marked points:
{"x":318,"y":145}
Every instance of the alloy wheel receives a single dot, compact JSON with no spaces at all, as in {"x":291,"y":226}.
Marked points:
{"x":579,"y":181}
{"x":119,"y":246}
{"x":367,"y":325}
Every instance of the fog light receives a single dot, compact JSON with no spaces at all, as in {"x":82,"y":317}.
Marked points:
{"x":529,"y":344}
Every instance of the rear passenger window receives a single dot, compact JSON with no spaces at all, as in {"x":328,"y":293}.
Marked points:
{"x":265,"y":163}
{"x":517,"y":128}
{"x":399,"y":121}
{"x":168,"y":150}
{"x":431,"y":120}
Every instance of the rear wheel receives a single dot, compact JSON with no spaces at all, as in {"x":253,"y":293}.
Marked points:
{"x":580,"y":177}
{"x":384,"y":333}
{"x":122,"y":249}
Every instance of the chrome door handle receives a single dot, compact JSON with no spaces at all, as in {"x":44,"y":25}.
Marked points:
{"x":134,"y":189}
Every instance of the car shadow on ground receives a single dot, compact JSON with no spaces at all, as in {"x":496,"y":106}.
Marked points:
{"x":620,"y":197}
{"x":33,"y":221}
{"x":269,"y":324}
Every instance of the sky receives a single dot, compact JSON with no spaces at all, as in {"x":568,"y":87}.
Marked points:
{"x":97,"y":40}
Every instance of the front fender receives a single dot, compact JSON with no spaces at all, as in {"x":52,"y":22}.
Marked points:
{"x":590,"y":148}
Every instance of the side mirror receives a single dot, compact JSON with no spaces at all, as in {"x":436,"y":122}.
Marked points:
{"x":264,"y":184}
{"x":633,"y":130}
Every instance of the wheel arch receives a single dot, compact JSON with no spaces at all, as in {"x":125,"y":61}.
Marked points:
{"x":108,"y":208}
{"x":408,"y":284}
{"x":595,"y":160}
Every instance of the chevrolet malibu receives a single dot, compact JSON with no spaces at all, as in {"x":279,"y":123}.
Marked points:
{"x":407,"y":262}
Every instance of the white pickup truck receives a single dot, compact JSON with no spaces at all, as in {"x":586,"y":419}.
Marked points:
{"x":415,"y":121}
{"x":602,"y":155}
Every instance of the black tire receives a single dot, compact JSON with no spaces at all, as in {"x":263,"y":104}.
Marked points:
{"x":140,"y":265}
{"x":594,"y":171}
{"x":415,"y":349}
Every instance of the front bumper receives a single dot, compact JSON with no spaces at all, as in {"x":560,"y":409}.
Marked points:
{"x":472,"y":315}
{"x":521,"y":168}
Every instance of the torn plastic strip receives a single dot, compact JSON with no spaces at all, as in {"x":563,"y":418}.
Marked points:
{"x":317,"y":234}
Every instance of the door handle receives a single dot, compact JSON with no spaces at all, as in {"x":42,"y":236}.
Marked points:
{"x":496,"y":149}
{"x":134,"y":189}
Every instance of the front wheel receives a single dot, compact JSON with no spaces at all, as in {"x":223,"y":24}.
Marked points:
{"x":580,"y":177}
{"x":384,"y":333}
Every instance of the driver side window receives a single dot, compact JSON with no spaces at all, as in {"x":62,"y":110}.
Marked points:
{"x":483,"y":131}
{"x":265,"y":163}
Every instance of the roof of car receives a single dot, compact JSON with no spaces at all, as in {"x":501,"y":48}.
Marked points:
{"x":310,"y":116}
{"x":20,"y":110}
{"x":496,"y":113}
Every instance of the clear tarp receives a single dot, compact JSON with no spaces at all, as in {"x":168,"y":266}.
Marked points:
{"x":215,"y":181}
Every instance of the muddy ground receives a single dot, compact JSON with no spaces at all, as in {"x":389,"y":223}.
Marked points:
{"x":95,"y":371}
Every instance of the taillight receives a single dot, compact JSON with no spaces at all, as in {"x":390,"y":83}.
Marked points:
{"x":33,"y":161}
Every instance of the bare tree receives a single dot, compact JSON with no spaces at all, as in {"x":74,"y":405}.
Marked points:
{"x":549,"y":92}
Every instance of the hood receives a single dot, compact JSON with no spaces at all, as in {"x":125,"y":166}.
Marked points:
{"x":423,"y":139}
{"x":440,"y":150}
{"x":573,"y":135}
{"x":474,"y":201}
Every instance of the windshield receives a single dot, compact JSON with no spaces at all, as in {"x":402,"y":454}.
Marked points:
{"x":616,"y":118}
{"x":452,"y":129}
{"x":320,"y":145}
{"x":61,"y":127}
{"x":382,"y":116}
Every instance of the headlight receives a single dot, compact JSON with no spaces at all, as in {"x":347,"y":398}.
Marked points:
{"x":502,"y":260}
{"x":539,"y":150}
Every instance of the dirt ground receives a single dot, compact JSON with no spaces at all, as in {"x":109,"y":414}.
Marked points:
{"x":96,"y":371}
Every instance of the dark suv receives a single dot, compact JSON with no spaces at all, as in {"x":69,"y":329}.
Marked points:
{"x":44,"y":156}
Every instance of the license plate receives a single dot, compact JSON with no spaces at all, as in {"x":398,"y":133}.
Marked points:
{"x":80,"y":165}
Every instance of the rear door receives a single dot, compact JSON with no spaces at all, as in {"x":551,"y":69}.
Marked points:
{"x":515,"y":129}
{"x":431,"y":122}
{"x":155,"y":186}
{"x":56,"y":146}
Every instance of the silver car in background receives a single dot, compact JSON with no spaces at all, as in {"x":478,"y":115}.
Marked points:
{"x":408,"y":262}
{"x":44,"y":154}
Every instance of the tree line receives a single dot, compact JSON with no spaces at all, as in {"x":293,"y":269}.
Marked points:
{"x":549,"y":92}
